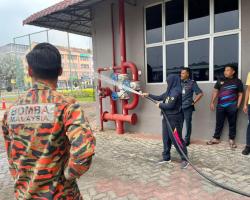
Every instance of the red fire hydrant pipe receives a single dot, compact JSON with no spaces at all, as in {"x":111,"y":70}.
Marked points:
{"x":101,"y":69}
{"x":120,"y":119}
{"x":134,"y":103}
{"x":124,"y":65}
{"x":122,"y":34}
{"x":113,"y":116}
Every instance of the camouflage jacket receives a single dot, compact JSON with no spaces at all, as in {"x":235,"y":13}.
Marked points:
{"x":49,"y":145}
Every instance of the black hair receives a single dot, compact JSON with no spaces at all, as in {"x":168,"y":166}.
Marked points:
{"x":188,"y":70}
{"x":233,"y":68}
{"x":45,"y":61}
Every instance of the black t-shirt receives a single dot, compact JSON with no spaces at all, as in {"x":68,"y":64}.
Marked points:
{"x":228,"y":91}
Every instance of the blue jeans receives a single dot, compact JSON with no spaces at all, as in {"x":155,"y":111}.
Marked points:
{"x":188,"y":114}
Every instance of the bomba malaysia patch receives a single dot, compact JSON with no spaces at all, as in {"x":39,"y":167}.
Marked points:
{"x":32,"y":114}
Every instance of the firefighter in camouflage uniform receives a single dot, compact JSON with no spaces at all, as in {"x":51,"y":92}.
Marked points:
{"x":48,"y":141}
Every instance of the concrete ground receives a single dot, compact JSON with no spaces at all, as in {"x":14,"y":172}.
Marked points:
{"x":125,"y":167}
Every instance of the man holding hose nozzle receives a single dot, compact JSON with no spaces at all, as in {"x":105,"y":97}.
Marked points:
{"x":172,"y":106}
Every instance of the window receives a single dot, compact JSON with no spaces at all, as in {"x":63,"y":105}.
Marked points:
{"x":85,"y":66}
{"x":174,"y":19}
{"x":84,"y":58}
{"x":155,"y":64}
{"x":203,"y":35}
{"x":75,"y":65}
{"x":198,"y":59}
{"x":174,"y":65}
{"x":226,"y":15}
{"x":226,"y":52}
{"x":72,"y":57}
{"x":198,"y":12}
{"x":154,"y":24}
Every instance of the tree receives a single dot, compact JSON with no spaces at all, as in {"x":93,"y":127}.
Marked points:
{"x":11,"y":67}
{"x":89,"y":51}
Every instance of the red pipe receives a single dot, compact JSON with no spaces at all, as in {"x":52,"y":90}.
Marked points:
{"x":101,"y":111}
{"x":124,"y":110}
{"x":113,"y":116}
{"x":103,"y":69}
{"x":123,"y":47}
{"x":134,"y":103}
{"x":113,"y":35}
{"x":113,"y":110}
{"x":112,"y":102}
{"x":118,"y":117}
{"x":100,"y":99}
{"x":120,"y":127}
{"x":124,"y":64}
{"x":122,"y":33}
{"x":113,"y":106}
{"x":133,"y":69}
{"x":117,"y":68}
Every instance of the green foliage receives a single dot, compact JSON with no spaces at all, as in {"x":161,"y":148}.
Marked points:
{"x":11,"y":67}
{"x":8,"y":67}
{"x":87,"y":94}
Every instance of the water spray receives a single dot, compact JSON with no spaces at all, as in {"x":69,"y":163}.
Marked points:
{"x":122,"y":83}
{"x":126,"y":86}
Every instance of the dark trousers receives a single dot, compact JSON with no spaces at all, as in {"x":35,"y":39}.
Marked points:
{"x":230,"y":113}
{"x":176,"y":121}
{"x":248,"y":127}
{"x":188,"y":114}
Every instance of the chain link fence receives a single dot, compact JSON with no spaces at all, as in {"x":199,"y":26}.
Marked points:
{"x":77,"y":61}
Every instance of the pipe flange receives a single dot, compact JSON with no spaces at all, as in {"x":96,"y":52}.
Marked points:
{"x":135,"y":85}
{"x":122,"y":77}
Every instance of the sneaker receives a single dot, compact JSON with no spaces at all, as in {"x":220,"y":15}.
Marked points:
{"x":184,"y":164}
{"x":162,"y":161}
{"x":232,"y":144}
{"x":246,"y":151}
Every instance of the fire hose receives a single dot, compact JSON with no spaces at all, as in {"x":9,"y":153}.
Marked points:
{"x":225,"y":187}
{"x":127,"y":88}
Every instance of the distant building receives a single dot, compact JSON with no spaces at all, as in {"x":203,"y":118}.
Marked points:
{"x":77,"y":67}
{"x":12,"y":49}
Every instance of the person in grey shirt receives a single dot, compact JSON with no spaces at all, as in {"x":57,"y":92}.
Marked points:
{"x":189,"y":87}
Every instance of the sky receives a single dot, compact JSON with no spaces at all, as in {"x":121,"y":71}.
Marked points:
{"x":12,"y":14}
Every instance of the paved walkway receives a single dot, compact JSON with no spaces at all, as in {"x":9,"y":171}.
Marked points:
{"x":125,"y":168}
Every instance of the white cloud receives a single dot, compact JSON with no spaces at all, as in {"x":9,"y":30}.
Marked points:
{"x":12,"y":14}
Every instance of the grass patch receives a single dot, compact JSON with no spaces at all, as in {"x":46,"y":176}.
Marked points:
{"x":85,"y":99}
{"x":83,"y":95}
{"x":11,"y":99}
